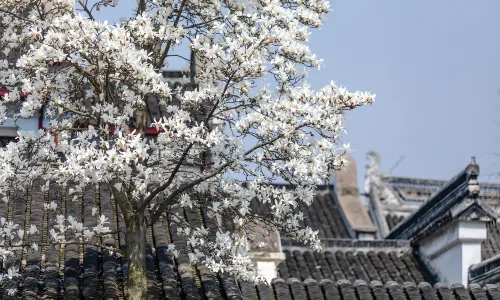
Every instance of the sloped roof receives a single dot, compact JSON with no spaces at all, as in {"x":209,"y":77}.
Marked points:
{"x":485,"y":272}
{"x":457,"y":199}
{"x":324,"y":214}
{"x":393,"y":220}
{"x":491,"y":246}
{"x":374,"y":264}
{"x":489,"y":193}
{"x":89,"y":272}
{"x":327,"y":289}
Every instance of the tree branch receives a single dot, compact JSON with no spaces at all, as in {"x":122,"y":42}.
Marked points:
{"x":81,"y":113}
{"x":184,"y":154}
{"x":141,"y":7}
{"x":169,"y":43}
{"x":120,"y":197}
{"x":85,"y":8}
{"x":14,"y":15}
{"x":203,"y":23}
{"x":158,"y":208}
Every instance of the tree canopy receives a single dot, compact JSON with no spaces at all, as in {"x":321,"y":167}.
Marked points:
{"x":250,"y":119}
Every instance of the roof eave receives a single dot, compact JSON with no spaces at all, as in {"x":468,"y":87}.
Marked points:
{"x":461,"y":186}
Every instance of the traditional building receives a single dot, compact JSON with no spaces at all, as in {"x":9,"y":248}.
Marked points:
{"x":451,"y":224}
{"x":414,"y":239}
{"x":420,"y":258}
{"x":348,"y":267}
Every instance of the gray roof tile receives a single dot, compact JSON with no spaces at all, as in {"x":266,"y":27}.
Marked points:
{"x":341,"y":264}
{"x":88,"y":272}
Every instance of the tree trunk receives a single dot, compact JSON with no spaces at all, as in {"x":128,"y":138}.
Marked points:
{"x":135,"y":238}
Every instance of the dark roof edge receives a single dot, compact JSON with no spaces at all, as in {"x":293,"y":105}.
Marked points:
{"x":350,"y":243}
{"x":312,"y":289}
{"x":485,"y":272}
{"x":414,"y":180}
{"x":400,"y":179}
{"x":467,"y":210}
{"x":454,"y":191}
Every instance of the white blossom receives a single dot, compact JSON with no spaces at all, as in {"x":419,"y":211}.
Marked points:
{"x":252,"y":115}
{"x":11,"y":292}
{"x":33,"y":229}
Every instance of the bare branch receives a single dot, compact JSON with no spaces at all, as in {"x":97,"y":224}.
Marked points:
{"x":169,"y":43}
{"x":203,"y":23}
{"x":76,"y":111}
{"x":85,"y":8}
{"x":14,"y":15}
{"x":141,"y":7}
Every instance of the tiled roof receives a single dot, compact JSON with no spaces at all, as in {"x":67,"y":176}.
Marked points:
{"x":89,"y":272}
{"x":416,"y":183}
{"x":323,"y":214}
{"x":327,"y":289}
{"x":489,"y":193}
{"x":458,"y":199}
{"x":395,"y":265}
{"x":414,"y":190}
{"x":491,"y":246}
{"x":485,"y":272}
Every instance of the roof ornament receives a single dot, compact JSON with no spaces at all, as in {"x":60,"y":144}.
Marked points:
{"x":375,"y":183}
{"x":473,"y":170}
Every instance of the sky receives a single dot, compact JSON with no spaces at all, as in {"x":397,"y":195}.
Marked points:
{"x":435,"y":67}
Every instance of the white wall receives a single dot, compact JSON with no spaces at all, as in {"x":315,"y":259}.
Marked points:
{"x":452,"y":250}
{"x":267,"y":263}
{"x":366,"y":236}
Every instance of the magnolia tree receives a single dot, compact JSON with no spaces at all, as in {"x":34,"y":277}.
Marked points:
{"x":252,"y":112}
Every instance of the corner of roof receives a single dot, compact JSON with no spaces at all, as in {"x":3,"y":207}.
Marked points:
{"x":485,"y":272}
{"x":472,"y":209}
{"x":463,"y":186}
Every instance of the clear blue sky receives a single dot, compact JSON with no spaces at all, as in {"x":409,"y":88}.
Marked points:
{"x":435,"y":67}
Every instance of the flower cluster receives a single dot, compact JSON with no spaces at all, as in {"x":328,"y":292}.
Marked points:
{"x":82,"y":233}
{"x":13,"y":242}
